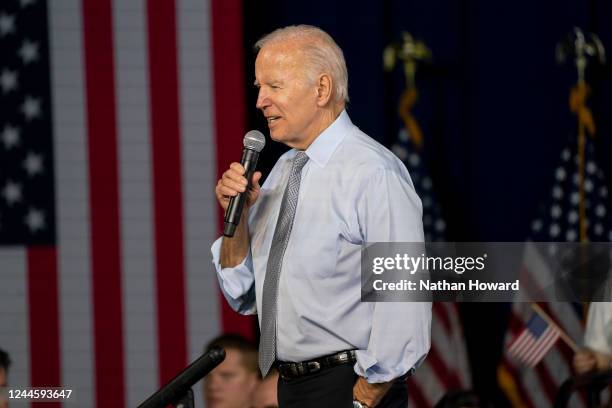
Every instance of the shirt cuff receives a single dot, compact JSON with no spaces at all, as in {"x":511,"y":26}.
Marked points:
{"x":369,"y":368}
{"x":236,"y":281}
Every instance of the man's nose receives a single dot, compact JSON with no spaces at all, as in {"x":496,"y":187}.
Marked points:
{"x":262,"y":99}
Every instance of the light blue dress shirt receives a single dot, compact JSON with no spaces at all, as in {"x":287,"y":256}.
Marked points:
{"x":353,"y":191}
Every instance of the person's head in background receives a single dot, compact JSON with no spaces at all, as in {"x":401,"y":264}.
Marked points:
{"x":265,"y":395}
{"x":5,"y":362}
{"x":232,"y":383}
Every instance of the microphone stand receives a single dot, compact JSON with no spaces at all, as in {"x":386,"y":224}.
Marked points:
{"x":186,"y":401}
{"x":177,"y":392}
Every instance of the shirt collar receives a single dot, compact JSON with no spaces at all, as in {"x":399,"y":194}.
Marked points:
{"x":321,"y":149}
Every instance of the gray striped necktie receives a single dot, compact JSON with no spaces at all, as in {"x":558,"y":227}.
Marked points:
{"x":267,"y":341}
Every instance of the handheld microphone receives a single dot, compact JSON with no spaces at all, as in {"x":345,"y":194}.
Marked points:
{"x":254,"y":142}
{"x":172,"y":392}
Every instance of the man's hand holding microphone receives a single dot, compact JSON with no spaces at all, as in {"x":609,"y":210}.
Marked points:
{"x":233,"y":182}
{"x":237,"y":188}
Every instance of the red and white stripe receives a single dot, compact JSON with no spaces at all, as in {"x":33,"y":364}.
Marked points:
{"x":230,"y":114}
{"x":128,"y":296}
{"x":446,"y":367}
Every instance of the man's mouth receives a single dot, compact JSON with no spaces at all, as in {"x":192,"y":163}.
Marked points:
{"x":272,"y":119}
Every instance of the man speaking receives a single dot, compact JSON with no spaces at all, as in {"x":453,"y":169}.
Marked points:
{"x":295,"y":256}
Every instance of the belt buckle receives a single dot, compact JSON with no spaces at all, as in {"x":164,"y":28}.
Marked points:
{"x":342,"y":357}
{"x":295,"y":370}
{"x":313,"y":366}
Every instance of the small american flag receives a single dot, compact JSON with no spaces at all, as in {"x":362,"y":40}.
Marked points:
{"x":534,"y":341}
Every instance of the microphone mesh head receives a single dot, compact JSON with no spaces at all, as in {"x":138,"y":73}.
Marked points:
{"x":254,"y":140}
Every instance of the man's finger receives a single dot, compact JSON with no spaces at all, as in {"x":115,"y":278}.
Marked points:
{"x":234,"y":175}
{"x":237,"y":167}
{"x":227,"y":183}
{"x":227,"y":191}
{"x":235,"y":185}
{"x":256,"y":178}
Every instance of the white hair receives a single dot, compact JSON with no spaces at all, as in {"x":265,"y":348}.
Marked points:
{"x":321,"y":51}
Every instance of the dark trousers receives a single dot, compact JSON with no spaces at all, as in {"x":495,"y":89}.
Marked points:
{"x":333,"y":388}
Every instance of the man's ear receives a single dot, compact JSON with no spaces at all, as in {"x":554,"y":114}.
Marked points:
{"x":324,"y":88}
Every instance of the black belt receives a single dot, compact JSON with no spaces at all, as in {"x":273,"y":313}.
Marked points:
{"x":289,"y":370}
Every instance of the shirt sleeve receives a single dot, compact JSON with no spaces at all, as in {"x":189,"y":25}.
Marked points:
{"x":598,"y":334}
{"x":237,"y":283}
{"x":389,"y":210}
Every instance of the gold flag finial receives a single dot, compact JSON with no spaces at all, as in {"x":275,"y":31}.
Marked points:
{"x":410,"y":52}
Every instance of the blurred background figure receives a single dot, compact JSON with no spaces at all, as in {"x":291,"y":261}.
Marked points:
{"x":5,"y":362}
{"x":597,"y":355}
{"x":265,"y":395}
{"x":231,"y":384}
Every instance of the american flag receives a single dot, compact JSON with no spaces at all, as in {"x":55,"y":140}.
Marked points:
{"x":534,"y":341}
{"x":557,"y":221}
{"x":446,"y":367}
{"x":110,"y":145}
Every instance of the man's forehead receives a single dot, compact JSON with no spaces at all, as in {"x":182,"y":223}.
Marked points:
{"x":279,"y":54}
{"x":278,"y":67}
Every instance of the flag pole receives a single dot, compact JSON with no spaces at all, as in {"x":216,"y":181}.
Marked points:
{"x":567,"y":339}
{"x":581,"y":48}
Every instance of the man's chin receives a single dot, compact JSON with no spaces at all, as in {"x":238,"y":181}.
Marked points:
{"x":277,"y":137}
